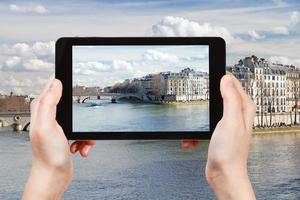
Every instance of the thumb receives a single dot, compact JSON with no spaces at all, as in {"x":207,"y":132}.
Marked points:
{"x":232,"y":100}
{"x":49,"y":101}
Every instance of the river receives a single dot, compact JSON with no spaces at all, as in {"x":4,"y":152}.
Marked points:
{"x":155,"y":169}
{"x":125,"y":116}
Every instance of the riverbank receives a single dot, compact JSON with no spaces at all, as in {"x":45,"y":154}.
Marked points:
{"x":276,"y":130}
{"x":196,"y":102}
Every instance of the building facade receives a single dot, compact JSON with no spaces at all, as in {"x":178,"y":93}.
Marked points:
{"x":275,"y":88}
{"x":187,"y":85}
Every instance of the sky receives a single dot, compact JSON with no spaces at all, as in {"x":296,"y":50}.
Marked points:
{"x":29,"y":29}
{"x":104,"y":66}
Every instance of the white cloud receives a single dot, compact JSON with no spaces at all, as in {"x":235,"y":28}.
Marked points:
{"x":122,"y":65}
{"x":285,"y":60}
{"x":281,"y":30}
{"x":44,"y":48}
{"x":39,"y":9}
{"x":294,"y":18}
{"x":153,"y":55}
{"x":292,"y":22}
{"x":18,"y":57}
{"x":35,"y":64}
{"x":2,"y":91}
{"x":22,"y":49}
{"x":255,"y":35}
{"x":12,"y":61}
{"x":89,"y":68}
{"x":178,"y":26}
{"x":12,"y":81}
{"x":22,"y":83}
{"x":17,"y":86}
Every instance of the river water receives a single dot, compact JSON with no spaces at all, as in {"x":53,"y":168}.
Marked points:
{"x":155,"y":169}
{"x":125,"y":116}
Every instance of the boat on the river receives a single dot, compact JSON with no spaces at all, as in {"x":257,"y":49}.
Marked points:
{"x":96,"y":104}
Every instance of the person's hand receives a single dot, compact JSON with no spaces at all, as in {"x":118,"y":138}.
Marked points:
{"x":226,"y":168}
{"x":52,"y":168}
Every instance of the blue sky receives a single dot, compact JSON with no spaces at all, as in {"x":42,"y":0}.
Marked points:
{"x":268,"y":28}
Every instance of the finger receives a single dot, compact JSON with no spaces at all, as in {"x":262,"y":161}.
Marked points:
{"x":185,"y":144}
{"x":84,"y":149}
{"x":33,"y":110}
{"x":248,"y":105}
{"x":189,"y":143}
{"x":47,"y":86}
{"x":85,"y":146}
{"x":232,"y":100}
{"x":89,"y":142}
{"x":35,"y":102}
{"x":75,"y":146}
{"x":80,"y":145}
{"x":49,"y":101}
{"x":195,"y":143}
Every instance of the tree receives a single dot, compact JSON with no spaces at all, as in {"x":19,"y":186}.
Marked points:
{"x":157,"y":84}
{"x":295,"y":90}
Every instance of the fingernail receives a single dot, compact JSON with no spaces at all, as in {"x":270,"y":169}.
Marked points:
{"x":86,"y":150}
{"x":74,"y":148}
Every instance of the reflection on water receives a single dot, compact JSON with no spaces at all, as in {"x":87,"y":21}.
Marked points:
{"x":156,"y":169}
{"x":102,"y":115}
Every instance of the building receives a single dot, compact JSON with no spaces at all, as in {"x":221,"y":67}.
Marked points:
{"x":292,"y":88}
{"x":82,"y":90}
{"x":187,"y":85}
{"x":14,"y":104}
{"x":275,"y":88}
{"x":270,"y":88}
{"x":245,"y":75}
{"x":264,"y":82}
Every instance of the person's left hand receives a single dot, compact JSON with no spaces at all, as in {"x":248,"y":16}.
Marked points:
{"x":52,"y":168}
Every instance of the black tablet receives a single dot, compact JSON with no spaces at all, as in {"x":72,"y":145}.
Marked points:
{"x":140,"y":87}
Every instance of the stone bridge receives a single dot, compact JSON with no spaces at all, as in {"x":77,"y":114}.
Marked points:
{"x":19,"y":121}
{"x":112,"y":96}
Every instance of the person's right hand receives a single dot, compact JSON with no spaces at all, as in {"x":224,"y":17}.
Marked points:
{"x":226,"y":168}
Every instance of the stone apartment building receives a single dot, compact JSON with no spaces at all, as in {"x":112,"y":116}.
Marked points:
{"x":10,"y":103}
{"x":187,"y":85}
{"x":275,"y":88}
{"x":82,"y":90}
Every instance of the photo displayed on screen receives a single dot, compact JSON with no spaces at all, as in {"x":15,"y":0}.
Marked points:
{"x":140,"y":88}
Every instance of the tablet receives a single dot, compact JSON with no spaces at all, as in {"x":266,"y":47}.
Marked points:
{"x":140,"y":87}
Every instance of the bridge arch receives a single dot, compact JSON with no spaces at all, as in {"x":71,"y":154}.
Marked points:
{"x":86,"y":98}
{"x":128,"y":96}
{"x":26,"y":127}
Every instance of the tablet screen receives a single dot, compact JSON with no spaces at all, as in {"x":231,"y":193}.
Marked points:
{"x":144,"y":88}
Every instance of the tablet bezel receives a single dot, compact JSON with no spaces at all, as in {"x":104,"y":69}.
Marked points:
{"x":63,"y":72}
